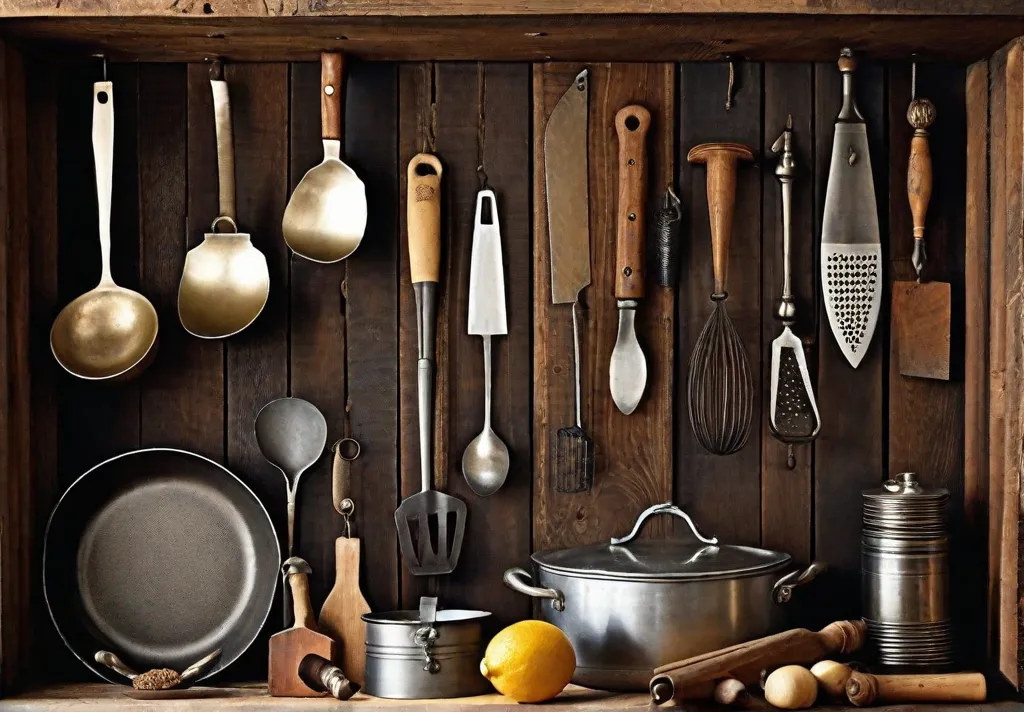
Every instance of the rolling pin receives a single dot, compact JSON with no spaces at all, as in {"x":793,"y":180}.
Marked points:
{"x":695,"y":678}
{"x":863,"y":689}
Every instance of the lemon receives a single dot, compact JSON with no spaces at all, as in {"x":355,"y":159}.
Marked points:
{"x":530,"y":661}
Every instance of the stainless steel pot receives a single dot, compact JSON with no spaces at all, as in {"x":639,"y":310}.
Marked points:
{"x":629,"y":606}
{"x":425,"y":654}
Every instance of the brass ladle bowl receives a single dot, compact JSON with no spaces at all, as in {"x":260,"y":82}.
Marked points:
{"x":109,"y":331}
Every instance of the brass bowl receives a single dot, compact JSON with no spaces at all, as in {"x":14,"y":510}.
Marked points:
{"x":105,"y":333}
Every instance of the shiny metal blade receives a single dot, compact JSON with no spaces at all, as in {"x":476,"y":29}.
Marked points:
{"x":486,"y":276}
{"x":627,"y":374}
{"x":565,"y":175}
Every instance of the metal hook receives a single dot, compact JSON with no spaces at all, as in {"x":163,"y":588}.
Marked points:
{"x":672,"y":201}
{"x":481,"y":175}
{"x":732,"y":84}
{"x":103,"y":58}
{"x":913,"y":77}
{"x":217,"y":70}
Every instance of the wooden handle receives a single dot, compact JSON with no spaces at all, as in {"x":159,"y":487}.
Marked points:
{"x":346,"y":561}
{"x":631,"y":125}
{"x":721,"y":161}
{"x":303,"y":610}
{"x":919,"y":180}
{"x":332,"y":69}
{"x":424,"y":218}
{"x":863,"y":689}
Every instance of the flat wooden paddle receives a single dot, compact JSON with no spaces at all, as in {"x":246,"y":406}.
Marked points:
{"x":341,"y":615}
{"x":921,"y":309}
{"x":289,"y":647}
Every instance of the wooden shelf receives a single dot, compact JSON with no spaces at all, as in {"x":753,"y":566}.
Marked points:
{"x":96,"y":696}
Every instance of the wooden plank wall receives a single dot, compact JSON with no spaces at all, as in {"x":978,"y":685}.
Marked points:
{"x":343,"y":336}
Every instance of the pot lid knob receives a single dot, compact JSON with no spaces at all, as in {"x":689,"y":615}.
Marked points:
{"x":903,"y":483}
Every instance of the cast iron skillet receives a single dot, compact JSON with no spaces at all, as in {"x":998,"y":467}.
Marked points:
{"x":160,"y":556}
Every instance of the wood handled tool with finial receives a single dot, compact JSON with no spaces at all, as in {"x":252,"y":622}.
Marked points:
{"x":290,"y":647}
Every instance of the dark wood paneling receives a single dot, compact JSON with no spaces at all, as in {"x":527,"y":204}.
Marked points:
{"x":722,"y":493}
{"x":317,"y":337}
{"x":624,"y":484}
{"x":371,"y":148}
{"x":848,"y":454}
{"x":786,"y":489}
{"x":976,"y":363}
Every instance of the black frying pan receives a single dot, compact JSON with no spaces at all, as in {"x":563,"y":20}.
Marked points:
{"x":160,"y":556}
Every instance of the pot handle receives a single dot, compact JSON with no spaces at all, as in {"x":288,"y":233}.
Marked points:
{"x":782,"y":591}
{"x":514,"y":579}
{"x":663,"y":508}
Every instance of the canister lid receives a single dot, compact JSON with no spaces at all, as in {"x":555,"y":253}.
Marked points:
{"x":905,"y":487}
{"x":661,"y":560}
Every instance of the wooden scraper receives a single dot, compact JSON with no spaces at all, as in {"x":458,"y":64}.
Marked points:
{"x":921,"y":309}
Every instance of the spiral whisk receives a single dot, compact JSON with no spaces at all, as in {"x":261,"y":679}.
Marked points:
{"x":719,"y":385}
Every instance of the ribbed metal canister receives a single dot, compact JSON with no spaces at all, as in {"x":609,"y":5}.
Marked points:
{"x":905,"y":573}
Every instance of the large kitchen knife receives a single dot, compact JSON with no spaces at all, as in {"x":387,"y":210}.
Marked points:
{"x":565,"y":179}
{"x":851,"y":251}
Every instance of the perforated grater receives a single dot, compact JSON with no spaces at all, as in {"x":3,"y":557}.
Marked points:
{"x":851,"y":252}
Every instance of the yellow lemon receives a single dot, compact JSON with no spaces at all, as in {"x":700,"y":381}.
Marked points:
{"x":530,"y":661}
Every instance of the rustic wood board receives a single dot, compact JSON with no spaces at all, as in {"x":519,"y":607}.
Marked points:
{"x":522,"y":36}
{"x":633,"y":457}
{"x":723,"y":494}
{"x":785,"y":485}
{"x":849,"y":453}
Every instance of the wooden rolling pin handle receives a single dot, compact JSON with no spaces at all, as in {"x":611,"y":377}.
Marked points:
{"x":332,"y":68}
{"x":631,"y":124}
{"x":424,"y":217}
{"x":721,"y":161}
{"x":844,"y":637}
{"x":863,"y":689}
{"x":299,"y":585}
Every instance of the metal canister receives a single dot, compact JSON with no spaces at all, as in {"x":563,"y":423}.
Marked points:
{"x":905,"y":574}
{"x":424,"y":654}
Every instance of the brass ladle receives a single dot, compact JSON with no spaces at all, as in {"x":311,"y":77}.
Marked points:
{"x":109,"y":331}
{"x":225,"y":282}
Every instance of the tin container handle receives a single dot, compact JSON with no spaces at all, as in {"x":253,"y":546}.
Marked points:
{"x":782,"y":591}
{"x":427,"y":635}
{"x":663,"y":508}
{"x":514,"y":579}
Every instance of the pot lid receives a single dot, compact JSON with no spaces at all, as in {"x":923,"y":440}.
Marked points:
{"x":673,"y":559}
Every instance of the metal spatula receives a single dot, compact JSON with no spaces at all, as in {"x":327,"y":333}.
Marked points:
{"x":793,"y":417}
{"x":430,"y":524}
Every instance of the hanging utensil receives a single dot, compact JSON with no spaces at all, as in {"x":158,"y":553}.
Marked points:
{"x":326,"y":216}
{"x":485,"y":462}
{"x":793,"y":415}
{"x":921,"y":309}
{"x":225,"y":282}
{"x":851,"y":252}
{"x":627,"y":372}
{"x":566,"y":186}
{"x":428,"y":513}
{"x":719,"y":385}
{"x":110,"y":331}
{"x":341,"y":614}
{"x":666,"y":239}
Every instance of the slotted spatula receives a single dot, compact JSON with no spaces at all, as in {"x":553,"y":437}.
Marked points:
{"x":430,"y":524}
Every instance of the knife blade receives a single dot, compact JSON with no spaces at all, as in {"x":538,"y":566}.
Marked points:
{"x":851,"y":250}
{"x":627,"y":372}
{"x":486,"y":277}
{"x":565,"y":178}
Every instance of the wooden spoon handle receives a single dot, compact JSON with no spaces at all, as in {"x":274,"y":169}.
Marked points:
{"x":631,"y":125}
{"x":424,"y":217}
{"x":721,"y":161}
{"x":332,"y":69}
{"x":303,"y":609}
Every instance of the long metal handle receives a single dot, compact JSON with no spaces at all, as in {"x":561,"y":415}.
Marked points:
{"x":514,"y":579}
{"x":576,"y":363}
{"x":225,"y":147}
{"x":487,"y":381}
{"x":663,"y":508}
{"x":103,"y":153}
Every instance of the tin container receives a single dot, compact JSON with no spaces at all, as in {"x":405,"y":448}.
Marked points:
{"x":425,"y":654}
{"x":905,"y":574}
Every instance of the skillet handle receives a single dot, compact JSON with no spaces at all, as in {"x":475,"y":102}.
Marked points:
{"x":514,"y":579}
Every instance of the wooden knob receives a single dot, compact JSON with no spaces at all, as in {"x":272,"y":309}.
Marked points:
{"x":791,"y":688}
{"x":332,"y":68}
{"x":631,"y":124}
{"x":720,"y":159}
{"x":424,"y":217}
{"x":832,"y":678}
{"x":846,"y":61}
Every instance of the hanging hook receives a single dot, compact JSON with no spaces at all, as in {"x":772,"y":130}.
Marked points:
{"x":216,"y":70}
{"x":732,"y":83}
{"x":102,"y":57}
{"x":913,"y":77}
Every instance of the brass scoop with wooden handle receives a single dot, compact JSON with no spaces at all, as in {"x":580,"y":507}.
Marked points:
{"x":627,"y":373}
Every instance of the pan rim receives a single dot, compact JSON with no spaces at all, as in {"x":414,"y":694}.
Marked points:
{"x":95,"y":668}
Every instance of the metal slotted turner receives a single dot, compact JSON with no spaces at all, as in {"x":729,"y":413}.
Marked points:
{"x":793,"y":417}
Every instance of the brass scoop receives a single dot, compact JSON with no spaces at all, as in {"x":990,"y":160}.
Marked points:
{"x":225,"y":283}
{"x":326,"y":215}
{"x":109,"y":331}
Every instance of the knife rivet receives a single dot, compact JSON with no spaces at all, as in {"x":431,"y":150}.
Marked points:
{"x":329,"y":90}
{"x":627,"y":271}
{"x":852,"y":156}
{"x":632,"y":161}
{"x":632,"y":216}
